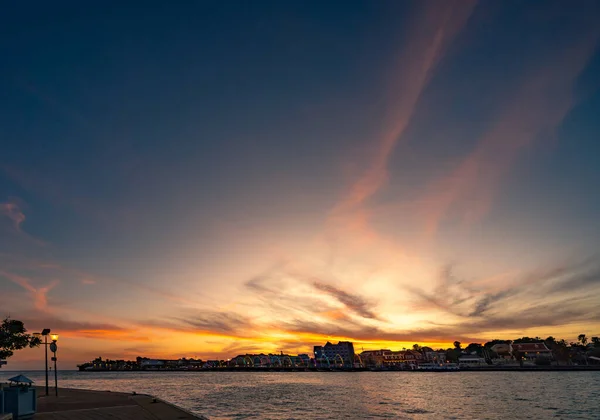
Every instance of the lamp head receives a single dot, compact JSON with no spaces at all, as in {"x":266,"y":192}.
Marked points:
{"x":46,"y":331}
{"x":54,"y":337}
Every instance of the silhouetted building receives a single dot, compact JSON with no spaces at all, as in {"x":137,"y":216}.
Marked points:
{"x":343,"y":349}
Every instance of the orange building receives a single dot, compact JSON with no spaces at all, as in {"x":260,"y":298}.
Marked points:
{"x":409,"y":358}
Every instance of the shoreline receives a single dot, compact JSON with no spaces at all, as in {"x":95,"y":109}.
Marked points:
{"x":323,"y":370}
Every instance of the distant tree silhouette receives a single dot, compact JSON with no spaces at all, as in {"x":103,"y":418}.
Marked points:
{"x":452,"y":355}
{"x":492,"y":343}
{"x":457,"y":345}
{"x":528,"y":340}
{"x":582,"y":339}
{"x":474,"y":347}
{"x":596,"y":341}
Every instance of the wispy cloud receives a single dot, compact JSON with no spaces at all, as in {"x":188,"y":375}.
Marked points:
{"x":580,"y":281}
{"x":40,"y":320}
{"x":538,"y":106}
{"x":349,"y":228}
{"x":430,"y":35}
{"x":562,"y":313}
{"x":373,"y":334}
{"x":13,"y":212}
{"x":222,"y":322}
{"x":279,"y":290}
{"x":559,"y":295}
{"x":353,"y":302}
{"x":38,"y":294}
{"x":67,"y":328}
{"x":87,"y":278}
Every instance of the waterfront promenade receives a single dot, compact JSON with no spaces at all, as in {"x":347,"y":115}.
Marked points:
{"x":82,"y":404}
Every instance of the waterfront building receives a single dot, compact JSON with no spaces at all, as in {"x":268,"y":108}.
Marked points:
{"x":189,"y":364}
{"x":471,"y":361}
{"x":240,"y":360}
{"x":213,"y":364}
{"x":408,"y":358}
{"x":503,"y":350}
{"x":435,"y":356}
{"x":305,"y":358}
{"x":152,"y":364}
{"x":373,"y":358}
{"x":270,"y":360}
{"x":343,"y":350}
{"x":145,"y":363}
{"x":532,"y":351}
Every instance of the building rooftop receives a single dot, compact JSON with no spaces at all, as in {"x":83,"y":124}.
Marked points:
{"x":531,"y":347}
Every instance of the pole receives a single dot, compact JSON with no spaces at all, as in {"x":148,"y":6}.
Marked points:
{"x":46,"y":354}
{"x":55,"y":376}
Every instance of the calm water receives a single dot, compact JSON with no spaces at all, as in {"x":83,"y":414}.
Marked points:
{"x":360,"y":395}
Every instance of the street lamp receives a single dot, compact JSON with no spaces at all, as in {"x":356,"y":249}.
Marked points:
{"x":45,"y":333}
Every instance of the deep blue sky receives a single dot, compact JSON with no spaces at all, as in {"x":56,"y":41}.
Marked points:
{"x":155,"y":159}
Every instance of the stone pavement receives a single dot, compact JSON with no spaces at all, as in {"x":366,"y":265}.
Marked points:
{"x":82,"y":404}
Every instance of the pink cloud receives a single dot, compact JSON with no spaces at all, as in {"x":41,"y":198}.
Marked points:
{"x":433,"y":31}
{"x":538,"y":107}
{"x":39,"y":294}
{"x":13,"y":212}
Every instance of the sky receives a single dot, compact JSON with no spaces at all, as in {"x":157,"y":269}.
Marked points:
{"x":205,"y":179}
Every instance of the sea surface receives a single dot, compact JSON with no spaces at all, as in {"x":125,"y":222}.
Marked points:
{"x":357,"y":395}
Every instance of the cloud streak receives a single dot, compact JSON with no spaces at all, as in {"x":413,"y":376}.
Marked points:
{"x":353,"y":302}
{"x":538,"y":106}
{"x":432,"y":32}
{"x":14,"y":213}
{"x":221,"y":322}
{"x":89,"y":279}
{"x":39,"y":294}
{"x":84,"y":329}
{"x":556,"y":296}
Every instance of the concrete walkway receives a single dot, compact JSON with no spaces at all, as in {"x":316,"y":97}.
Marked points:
{"x":82,"y":404}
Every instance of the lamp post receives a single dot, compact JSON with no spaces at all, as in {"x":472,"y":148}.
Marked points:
{"x":45,"y":333}
{"x":54,"y":348}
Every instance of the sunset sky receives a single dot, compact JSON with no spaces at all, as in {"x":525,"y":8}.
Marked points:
{"x":204,"y":179}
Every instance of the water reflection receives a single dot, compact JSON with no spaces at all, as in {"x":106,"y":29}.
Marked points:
{"x":331,"y":395}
